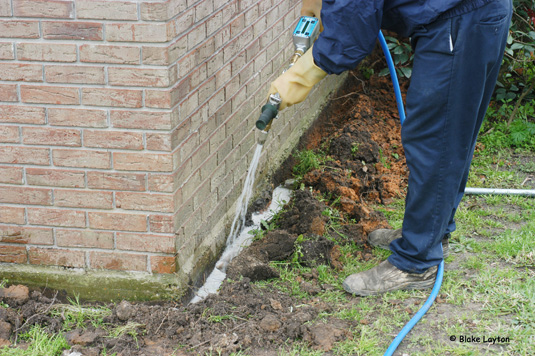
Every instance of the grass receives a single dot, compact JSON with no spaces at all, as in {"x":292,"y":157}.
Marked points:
{"x":488,"y":288}
{"x":40,"y":343}
{"x":76,"y":316}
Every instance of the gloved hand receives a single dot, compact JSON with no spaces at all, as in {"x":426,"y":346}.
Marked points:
{"x":295,"y":84}
{"x":312,"y":8}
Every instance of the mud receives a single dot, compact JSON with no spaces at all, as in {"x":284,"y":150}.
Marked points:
{"x":359,"y":133}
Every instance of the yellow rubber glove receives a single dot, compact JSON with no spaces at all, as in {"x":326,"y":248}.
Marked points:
{"x":295,"y":84}
{"x":312,"y":8}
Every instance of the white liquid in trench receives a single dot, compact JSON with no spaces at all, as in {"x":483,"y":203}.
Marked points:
{"x":235,"y":242}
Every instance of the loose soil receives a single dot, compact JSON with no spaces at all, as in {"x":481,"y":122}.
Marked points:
{"x":359,"y":133}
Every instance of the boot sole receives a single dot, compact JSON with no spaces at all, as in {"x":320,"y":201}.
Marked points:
{"x":409,"y":286}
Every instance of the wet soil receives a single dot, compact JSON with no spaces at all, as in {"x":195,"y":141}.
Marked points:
{"x":359,"y":133}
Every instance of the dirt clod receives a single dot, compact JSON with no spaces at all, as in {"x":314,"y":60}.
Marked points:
{"x":124,"y":310}
{"x":16,"y":295}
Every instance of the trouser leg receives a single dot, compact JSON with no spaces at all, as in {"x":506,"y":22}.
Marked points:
{"x":455,"y":69}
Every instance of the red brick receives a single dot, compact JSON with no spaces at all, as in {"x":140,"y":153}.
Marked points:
{"x":77,"y":117}
{"x":22,"y":114}
{"x":12,"y":215}
{"x":56,"y":257}
{"x":163,"y":264}
{"x":116,"y":181}
{"x":160,"y":142}
{"x":144,"y":77}
{"x":19,"y":29}
{"x":146,"y":242}
{"x":163,"y":182}
{"x":106,"y":10}
{"x":118,"y":261}
{"x":11,"y":175}
{"x":6,"y":50}
{"x":51,"y":136}
{"x":143,"y":119}
{"x":60,"y":30}
{"x":150,"y":162}
{"x":55,"y":177}
{"x":24,"y":155}
{"x":110,"y":54}
{"x":138,"y":32}
{"x":83,"y":199}
{"x":56,"y":217}
{"x":113,"y":139}
{"x":161,"y":11}
{"x":5,"y":8}
{"x":13,"y":254}
{"x":9,"y":134}
{"x":26,"y":235}
{"x":145,"y":201}
{"x":162,"y":223}
{"x":167,"y":99}
{"x":84,"y":238}
{"x":8,"y":92}
{"x":196,"y":35}
{"x":75,"y":74}
{"x":51,"y":52}
{"x":43,"y":8}
{"x":112,"y":97}
{"x":21,"y":72}
{"x":30,"y":196}
{"x":118,"y":221}
{"x":81,"y":158}
{"x":156,"y":55}
{"x":49,"y":95}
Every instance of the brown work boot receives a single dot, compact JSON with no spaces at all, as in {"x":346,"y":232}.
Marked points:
{"x":383,"y":237}
{"x":387,"y":278}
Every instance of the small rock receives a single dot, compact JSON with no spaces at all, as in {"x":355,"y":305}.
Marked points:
{"x":5,"y":330}
{"x":16,"y":295}
{"x":309,"y":288}
{"x":364,"y":321}
{"x":323,"y":336}
{"x":327,"y":287}
{"x":4,"y":342}
{"x":270,"y":323}
{"x":124,"y":310}
{"x":70,"y":353}
{"x":275,"y":304}
{"x":78,"y":337}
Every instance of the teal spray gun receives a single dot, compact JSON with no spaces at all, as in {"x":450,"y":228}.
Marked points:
{"x":304,"y":35}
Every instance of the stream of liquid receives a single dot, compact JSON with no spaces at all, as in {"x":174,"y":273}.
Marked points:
{"x":240,"y":235}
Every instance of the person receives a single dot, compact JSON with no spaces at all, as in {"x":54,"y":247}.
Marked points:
{"x":458,"y":48}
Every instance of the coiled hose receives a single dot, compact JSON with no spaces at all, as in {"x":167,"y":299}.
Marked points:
{"x":440,"y":272}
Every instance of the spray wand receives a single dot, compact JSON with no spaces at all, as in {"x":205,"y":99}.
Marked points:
{"x":304,"y":35}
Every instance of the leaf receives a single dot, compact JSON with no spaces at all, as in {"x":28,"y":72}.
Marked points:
{"x":518,"y":137}
{"x":398,"y":50}
{"x":407,"y":71}
{"x":384,"y":72}
{"x":516,"y":46}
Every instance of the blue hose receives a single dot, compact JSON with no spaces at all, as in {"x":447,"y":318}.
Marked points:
{"x":395,"y":81}
{"x":440,"y":272}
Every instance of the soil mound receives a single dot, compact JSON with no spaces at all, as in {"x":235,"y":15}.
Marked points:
{"x":359,"y":134}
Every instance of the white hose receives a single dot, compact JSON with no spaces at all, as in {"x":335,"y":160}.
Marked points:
{"x":523,"y":192}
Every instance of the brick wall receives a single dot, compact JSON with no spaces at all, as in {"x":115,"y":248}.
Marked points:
{"x":126,"y":127}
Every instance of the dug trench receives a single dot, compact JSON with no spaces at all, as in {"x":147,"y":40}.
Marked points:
{"x":359,"y":163}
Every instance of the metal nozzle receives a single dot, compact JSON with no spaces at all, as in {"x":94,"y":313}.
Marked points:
{"x":298,"y":53}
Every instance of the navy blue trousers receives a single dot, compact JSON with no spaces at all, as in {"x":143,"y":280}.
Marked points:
{"x":456,"y":64}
